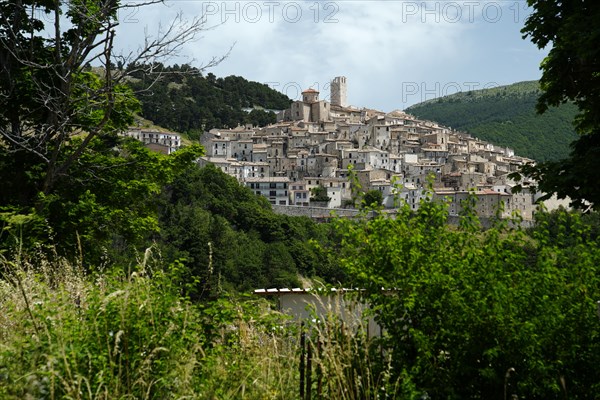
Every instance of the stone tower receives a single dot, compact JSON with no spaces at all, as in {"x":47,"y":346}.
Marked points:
{"x":338,"y":91}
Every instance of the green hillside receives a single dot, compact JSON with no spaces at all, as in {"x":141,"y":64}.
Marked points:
{"x":506,"y":116}
{"x":182,"y":99}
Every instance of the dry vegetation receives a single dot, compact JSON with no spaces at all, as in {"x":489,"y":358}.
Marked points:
{"x":66,"y":334}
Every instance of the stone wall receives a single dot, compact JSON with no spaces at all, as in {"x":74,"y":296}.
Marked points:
{"x":325,"y":214}
{"x":320,"y":213}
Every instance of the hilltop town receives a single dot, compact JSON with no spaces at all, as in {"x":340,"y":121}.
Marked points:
{"x":315,"y":141}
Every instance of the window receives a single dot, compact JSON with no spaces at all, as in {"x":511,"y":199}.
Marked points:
{"x":272,"y":185}
{"x":273,"y":193}
{"x":282,"y":202}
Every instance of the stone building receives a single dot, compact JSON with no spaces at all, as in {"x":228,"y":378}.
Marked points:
{"x":162,"y":142}
{"x":275,"y":189}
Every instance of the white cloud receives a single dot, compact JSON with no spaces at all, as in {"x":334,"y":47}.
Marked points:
{"x":394,"y":53}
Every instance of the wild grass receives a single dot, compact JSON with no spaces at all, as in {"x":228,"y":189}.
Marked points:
{"x":348,"y":360}
{"x":65,"y":334}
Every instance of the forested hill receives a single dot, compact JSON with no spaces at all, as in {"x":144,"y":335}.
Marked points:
{"x":184,"y":100}
{"x":506,"y":116}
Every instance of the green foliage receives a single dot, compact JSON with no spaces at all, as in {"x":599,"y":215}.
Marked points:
{"x":20,"y":228}
{"x":122,"y":336}
{"x":184,"y":100}
{"x":570,"y":73}
{"x":570,"y":178}
{"x":108,"y":202}
{"x":319,"y":193}
{"x":47,"y":96}
{"x":131,"y":335}
{"x":462,"y":306}
{"x":252,"y":247}
{"x":468,"y":314}
{"x":506,"y":116}
{"x":69,"y":182}
{"x":91,"y":108}
{"x":373,"y":198}
{"x":252,"y":354}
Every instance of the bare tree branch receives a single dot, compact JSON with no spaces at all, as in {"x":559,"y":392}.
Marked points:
{"x":45,"y":98}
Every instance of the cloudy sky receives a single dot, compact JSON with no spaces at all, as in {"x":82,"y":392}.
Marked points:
{"x":393,"y":53}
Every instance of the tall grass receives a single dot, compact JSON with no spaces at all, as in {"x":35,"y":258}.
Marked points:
{"x":348,"y":360}
{"x":65,"y":334}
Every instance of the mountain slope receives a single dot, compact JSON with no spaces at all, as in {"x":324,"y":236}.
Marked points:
{"x":506,"y":116}
{"x":184,"y":100}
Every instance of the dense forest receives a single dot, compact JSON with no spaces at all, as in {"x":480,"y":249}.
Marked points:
{"x":506,"y":116}
{"x":181,"y":98}
{"x":191,"y":214}
{"x":207,"y":217}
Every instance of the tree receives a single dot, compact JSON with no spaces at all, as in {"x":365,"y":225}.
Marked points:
{"x":252,"y":247}
{"x":60,"y":157}
{"x":463,"y":308}
{"x":373,"y":198}
{"x":570,"y":72}
{"x":48,"y":95}
{"x":319,"y":193}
